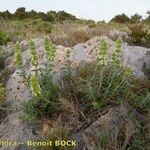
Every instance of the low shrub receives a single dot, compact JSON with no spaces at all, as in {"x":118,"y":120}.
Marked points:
{"x":140,"y":95}
{"x":70,"y":34}
{"x":78,"y":36}
{"x":18,"y":30}
{"x":139,"y":36}
{"x":46,"y":103}
{"x":97,"y":86}
{"x":123,"y":18}
{"x":143,"y":100}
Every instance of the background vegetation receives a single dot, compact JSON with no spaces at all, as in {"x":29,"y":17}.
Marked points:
{"x":66,"y":29}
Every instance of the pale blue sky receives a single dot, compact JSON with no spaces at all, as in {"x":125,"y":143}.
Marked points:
{"x":89,"y":9}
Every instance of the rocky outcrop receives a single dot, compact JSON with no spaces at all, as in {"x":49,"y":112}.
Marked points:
{"x":15,"y":129}
{"x":132,"y":56}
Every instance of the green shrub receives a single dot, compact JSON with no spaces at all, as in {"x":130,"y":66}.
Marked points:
{"x":140,"y":140}
{"x":123,"y":18}
{"x":46,"y":103}
{"x":139,"y":95}
{"x":44,"y":26}
{"x":44,"y":91}
{"x":4,"y":38}
{"x":143,"y":100}
{"x":136,"y":18}
{"x":139,"y":36}
{"x":97,"y":86}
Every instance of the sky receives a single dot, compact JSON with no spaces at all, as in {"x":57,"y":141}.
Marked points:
{"x":97,"y":10}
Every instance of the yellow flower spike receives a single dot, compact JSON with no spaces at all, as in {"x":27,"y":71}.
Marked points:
{"x":35,"y":86}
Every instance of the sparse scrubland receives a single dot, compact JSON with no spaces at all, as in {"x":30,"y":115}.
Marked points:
{"x":100,"y":104}
{"x":66,"y":29}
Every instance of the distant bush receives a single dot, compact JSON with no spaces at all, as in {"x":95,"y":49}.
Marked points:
{"x":148,"y":17}
{"x":20,"y":13}
{"x":139,"y":36}
{"x":18,"y":30}
{"x":4,"y":38}
{"x":135,"y":18}
{"x":71,"y":37}
{"x":42,"y":26}
{"x":121,"y":19}
{"x":77,"y":37}
{"x":90,"y":23}
{"x":51,"y":16}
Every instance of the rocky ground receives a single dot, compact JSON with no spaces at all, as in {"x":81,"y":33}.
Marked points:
{"x":112,"y":119}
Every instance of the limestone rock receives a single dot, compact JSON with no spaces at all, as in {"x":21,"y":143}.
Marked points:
{"x":18,"y":92}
